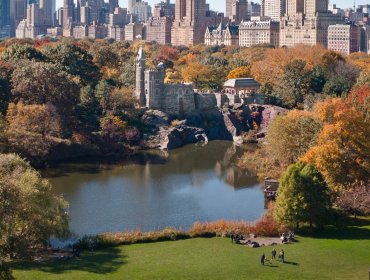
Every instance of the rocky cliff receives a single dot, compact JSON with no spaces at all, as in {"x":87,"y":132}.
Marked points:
{"x":230,"y":124}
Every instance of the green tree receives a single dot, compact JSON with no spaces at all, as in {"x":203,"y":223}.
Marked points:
{"x":5,"y":86}
{"x":294,"y":84}
{"x":318,"y":79}
{"x":88,"y":110}
{"x":102,"y":92}
{"x":127,"y":77}
{"x":18,"y":52}
{"x":341,"y":79}
{"x":303,"y":196}
{"x":75,"y":61}
{"x":30,"y":213}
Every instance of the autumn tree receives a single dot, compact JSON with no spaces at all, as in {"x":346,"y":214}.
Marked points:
{"x":30,"y":212}
{"x":17,"y":52}
{"x":3,"y":135}
{"x":291,"y":136}
{"x":342,"y":153}
{"x":356,"y":199}
{"x":240,"y":72}
{"x":270,"y":67}
{"x":43,"y":83}
{"x":195,"y":72}
{"x":6,"y":70}
{"x":359,"y":97}
{"x":32,"y":129}
{"x":121,"y":101}
{"x":303,"y":196}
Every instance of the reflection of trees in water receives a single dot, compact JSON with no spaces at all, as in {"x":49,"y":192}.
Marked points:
{"x":154,"y":167}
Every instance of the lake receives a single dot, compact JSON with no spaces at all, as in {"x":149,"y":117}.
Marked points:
{"x":156,"y":189}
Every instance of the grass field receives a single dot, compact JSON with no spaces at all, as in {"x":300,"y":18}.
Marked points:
{"x":333,"y":254}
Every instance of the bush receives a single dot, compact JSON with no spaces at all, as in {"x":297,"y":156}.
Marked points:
{"x":266,"y":226}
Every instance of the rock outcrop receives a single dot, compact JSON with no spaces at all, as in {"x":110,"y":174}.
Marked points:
{"x":203,"y":126}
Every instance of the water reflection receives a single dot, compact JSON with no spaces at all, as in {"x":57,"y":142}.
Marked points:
{"x":157,"y":189}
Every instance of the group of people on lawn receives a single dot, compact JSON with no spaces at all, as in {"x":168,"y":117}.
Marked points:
{"x":273,"y":256}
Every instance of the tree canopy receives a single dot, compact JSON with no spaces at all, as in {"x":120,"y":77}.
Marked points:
{"x":30,"y":213}
{"x":303,"y":196}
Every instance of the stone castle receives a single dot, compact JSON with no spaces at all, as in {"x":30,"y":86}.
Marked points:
{"x":173,"y":99}
{"x":181,"y":99}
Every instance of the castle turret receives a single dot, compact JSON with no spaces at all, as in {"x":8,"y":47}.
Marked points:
{"x":140,"y":77}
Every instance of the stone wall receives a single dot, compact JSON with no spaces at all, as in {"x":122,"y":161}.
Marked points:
{"x":178,"y":99}
{"x":204,"y":101}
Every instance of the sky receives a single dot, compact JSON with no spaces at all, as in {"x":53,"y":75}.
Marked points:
{"x":219,"y":5}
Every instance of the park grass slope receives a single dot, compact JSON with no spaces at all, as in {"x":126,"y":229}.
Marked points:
{"x":332,"y":254}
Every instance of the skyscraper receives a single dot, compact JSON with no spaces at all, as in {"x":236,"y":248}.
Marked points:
{"x":295,"y":6}
{"x":229,"y":7}
{"x":274,"y":9}
{"x":48,"y":9}
{"x":4,"y":12}
{"x":68,"y":12}
{"x":5,"y":28}
{"x":306,"y":22}
{"x":190,"y":22}
{"x":17,"y":13}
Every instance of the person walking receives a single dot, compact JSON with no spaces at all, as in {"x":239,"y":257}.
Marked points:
{"x":273,"y":254}
{"x":282,"y":255}
{"x":263,"y":259}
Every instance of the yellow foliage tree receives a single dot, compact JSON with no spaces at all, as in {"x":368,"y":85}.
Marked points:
{"x":240,"y":72}
{"x":195,"y":72}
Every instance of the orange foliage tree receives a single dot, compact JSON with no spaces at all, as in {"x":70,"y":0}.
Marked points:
{"x":342,"y":153}
{"x":271,"y":67}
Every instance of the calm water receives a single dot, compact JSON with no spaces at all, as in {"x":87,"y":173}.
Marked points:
{"x":155,"y":190}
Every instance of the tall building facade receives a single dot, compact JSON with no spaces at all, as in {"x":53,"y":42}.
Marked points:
{"x":5,"y":21}
{"x":227,"y":35}
{"x":229,"y":7}
{"x":164,"y":9}
{"x":344,"y":38}
{"x":68,"y":12}
{"x":259,"y":32}
{"x":254,"y":9}
{"x":18,"y":10}
{"x":306,"y":22}
{"x":142,"y":11}
{"x":190,"y":22}
{"x":274,"y":9}
{"x":48,"y":9}
{"x":39,"y":17}
{"x":158,"y":29}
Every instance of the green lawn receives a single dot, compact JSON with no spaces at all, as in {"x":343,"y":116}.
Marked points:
{"x":333,"y":254}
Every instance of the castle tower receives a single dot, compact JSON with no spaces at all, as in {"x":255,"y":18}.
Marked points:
{"x":140,"y":77}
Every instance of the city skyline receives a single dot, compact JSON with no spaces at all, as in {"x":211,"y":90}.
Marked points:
{"x":220,"y":5}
